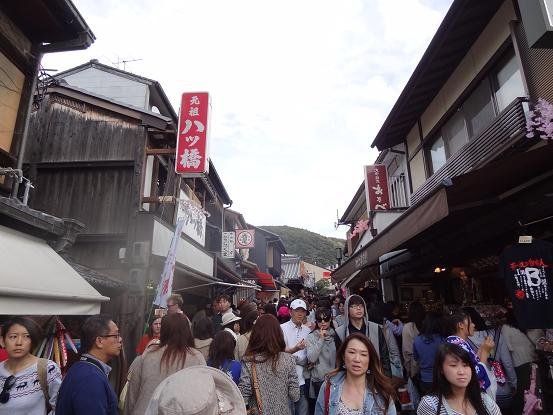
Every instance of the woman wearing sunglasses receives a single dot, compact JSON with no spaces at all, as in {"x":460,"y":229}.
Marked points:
{"x":29,"y":385}
{"x":321,"y":349}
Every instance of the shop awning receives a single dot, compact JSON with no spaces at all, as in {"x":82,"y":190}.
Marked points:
{"x":478,"y":189}
{"x":266,"y":280}
{"x":35,"y":280}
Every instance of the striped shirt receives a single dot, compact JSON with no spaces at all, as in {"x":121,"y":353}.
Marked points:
{"x":429,"y":406}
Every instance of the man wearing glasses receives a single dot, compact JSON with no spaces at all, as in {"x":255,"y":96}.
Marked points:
{"x":174,"y":304}
{"x":86,"y":389}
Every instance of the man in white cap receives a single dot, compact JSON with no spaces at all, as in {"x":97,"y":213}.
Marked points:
{"x":295,"y":333}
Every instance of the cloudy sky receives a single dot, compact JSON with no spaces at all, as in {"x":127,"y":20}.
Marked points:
{"x":299,"y":88}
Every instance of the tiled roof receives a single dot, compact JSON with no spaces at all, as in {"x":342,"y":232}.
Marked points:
{"x":95,"y":278}
{"x":290,"y":265}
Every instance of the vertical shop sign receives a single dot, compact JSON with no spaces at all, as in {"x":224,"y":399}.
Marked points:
{"x":376,"y":187}
{"x":192,"y":156}
{"x":228,"y":245}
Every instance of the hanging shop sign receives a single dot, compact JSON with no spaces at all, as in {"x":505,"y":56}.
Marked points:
{"x":245,"y":238}
{"x":194,"y":216}
{"x":376,"y":187}
{"x":192,"y":157}
{"x":228,"y":245}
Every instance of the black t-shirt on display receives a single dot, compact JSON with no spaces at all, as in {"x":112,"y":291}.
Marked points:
{"x":527,"y":270}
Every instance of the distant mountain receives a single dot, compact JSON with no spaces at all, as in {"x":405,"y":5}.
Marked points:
{"x":311,"y":247}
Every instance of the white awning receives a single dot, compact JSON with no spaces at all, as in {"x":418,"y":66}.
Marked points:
{"x":35,"y":280}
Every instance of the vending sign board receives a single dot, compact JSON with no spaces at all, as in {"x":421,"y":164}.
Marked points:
{"x":228,"y":245}
{"x":192,"y":158}
{"x":376,"y":187}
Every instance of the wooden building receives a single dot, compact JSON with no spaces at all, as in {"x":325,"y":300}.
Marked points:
{"x":34,"y":278}
{"x":109,"y":162}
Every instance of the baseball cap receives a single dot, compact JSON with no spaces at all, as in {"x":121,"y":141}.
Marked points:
{"x":299,"y":303}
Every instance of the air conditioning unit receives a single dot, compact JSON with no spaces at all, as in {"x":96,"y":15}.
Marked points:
{"x":140,"y":254}
{"x":137,"y":279}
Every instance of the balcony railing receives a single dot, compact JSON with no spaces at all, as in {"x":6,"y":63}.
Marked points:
{"x":501,"y":134}
{"x":398,"y":192}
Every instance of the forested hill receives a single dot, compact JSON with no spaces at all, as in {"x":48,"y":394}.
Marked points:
{"x":311,"y":247}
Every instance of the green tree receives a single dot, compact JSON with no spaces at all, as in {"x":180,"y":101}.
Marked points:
{"x":322,"y":287}
{"x":311,"y":247}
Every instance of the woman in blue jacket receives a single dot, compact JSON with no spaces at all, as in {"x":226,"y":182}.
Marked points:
{"x":358,"y":385}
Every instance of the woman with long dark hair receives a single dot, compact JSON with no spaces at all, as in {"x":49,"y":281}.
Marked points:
{"x":459,"y":327}
{"x":425,"y":348}
{"x":202,"y":329}
{"x":321,"y":348}
{"x":358,"y":385}
{"x":267,"y":364}
{"x":174,"y":352}
{"x":456,"y":389}
{"x":221,"y":355}
{"x":243,"y":340}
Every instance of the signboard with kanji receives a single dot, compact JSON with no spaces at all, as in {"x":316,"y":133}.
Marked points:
{"x":245,"y":238}
{"x":192,"y":156}
{"x":376,"y":187}
{"x":227,"y":245}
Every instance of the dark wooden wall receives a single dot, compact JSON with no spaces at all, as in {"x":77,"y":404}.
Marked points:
{"x":98,"y":197}
{"x":83,"y":162}
{"x":65,"y":130}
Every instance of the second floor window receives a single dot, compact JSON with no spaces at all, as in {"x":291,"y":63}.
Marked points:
{"x":493,"y":94}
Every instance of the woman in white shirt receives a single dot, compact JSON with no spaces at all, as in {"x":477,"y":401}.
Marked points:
{"x":20,"y":381}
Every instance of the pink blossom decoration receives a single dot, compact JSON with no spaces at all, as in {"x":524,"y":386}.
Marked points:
{"x":360,"y":227}
{"x":539,"y":123}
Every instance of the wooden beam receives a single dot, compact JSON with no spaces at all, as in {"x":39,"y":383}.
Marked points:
{"x":161,"y":151}
{"x":168,"y":132}
{"x":160,"y":199}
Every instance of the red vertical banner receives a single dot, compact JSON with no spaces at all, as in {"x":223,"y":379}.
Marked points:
{"x":376,"y":187}
{"x":192,"y":156}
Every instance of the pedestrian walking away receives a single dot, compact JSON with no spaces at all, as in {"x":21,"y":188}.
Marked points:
{"x":174,"y":352}
{"x":197,"y":390}
{"x":268,"y":377}
{"x":221,"y":355}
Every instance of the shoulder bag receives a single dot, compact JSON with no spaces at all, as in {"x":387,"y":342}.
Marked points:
{"x":327,"y":396}
{"x":258,"y":401}
{"x":495,"y":364}
{"x":43,"y":381}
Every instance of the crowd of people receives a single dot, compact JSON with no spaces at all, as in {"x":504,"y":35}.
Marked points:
{"x":293,"y":356}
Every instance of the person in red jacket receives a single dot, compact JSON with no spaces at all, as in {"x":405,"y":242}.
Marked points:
{"x":153,"y":333}
{"x":3,"y":352}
